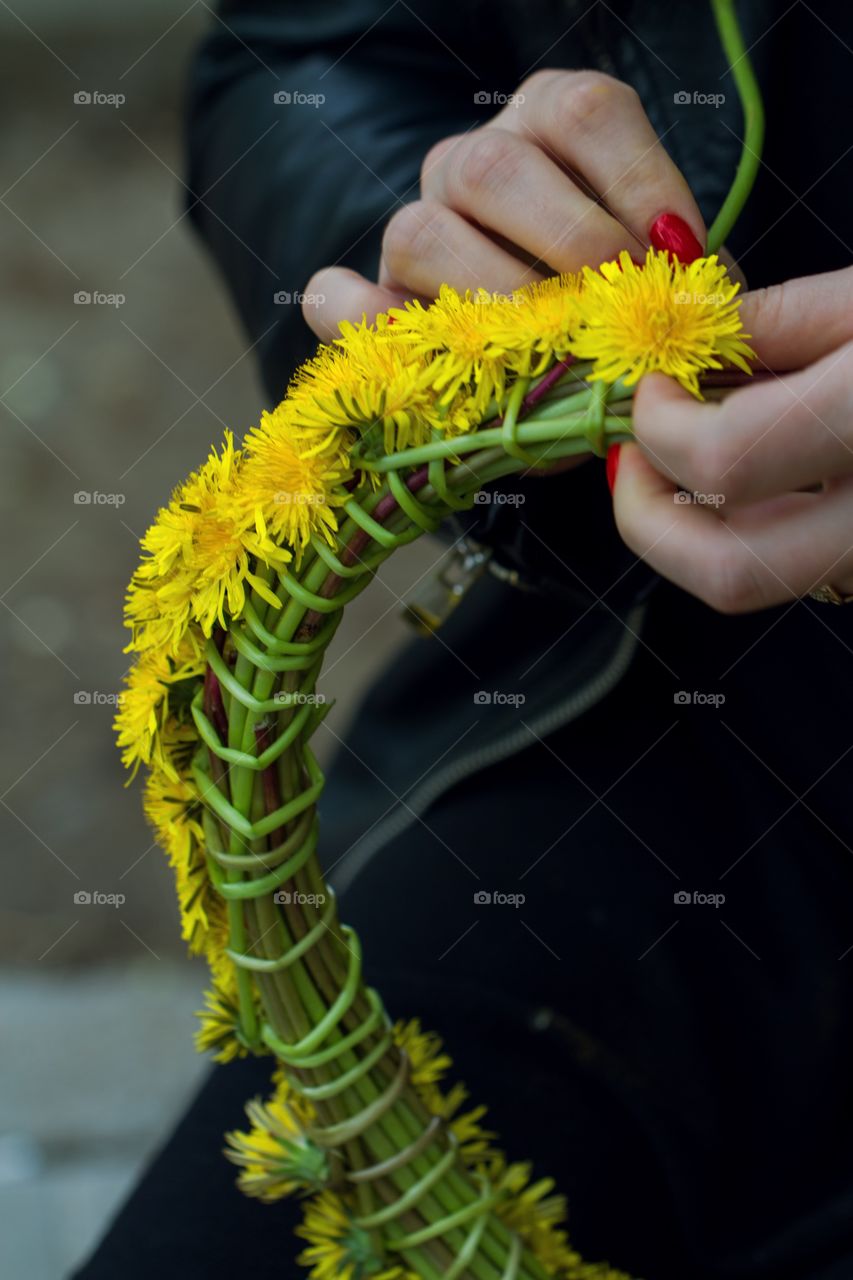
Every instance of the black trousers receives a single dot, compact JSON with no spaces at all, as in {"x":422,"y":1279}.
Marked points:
{"x":682,"y":1068}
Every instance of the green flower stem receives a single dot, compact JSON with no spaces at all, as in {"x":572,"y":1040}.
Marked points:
{"x":753,"y":117}
{"x":413,"y":1123}
{"x":368,"y":1095}
{"x":266,"y":910}
{"x":434,"y":1199}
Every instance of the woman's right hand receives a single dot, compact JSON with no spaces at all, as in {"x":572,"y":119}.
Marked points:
{"x":568,"y":173}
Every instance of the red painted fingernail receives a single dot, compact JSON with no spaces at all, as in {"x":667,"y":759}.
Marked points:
{"x":612,"y":465}
{"x":672,"y":233}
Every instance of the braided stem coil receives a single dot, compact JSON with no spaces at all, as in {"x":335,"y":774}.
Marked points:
{"x":259,"y":782}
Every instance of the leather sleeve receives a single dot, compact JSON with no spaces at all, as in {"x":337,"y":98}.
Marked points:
{"x":307,"y":126}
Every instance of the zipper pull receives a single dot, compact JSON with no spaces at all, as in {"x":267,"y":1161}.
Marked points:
{"x":431,"y":604}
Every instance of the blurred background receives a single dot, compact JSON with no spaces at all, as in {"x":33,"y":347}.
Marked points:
{"x":120,"y":362}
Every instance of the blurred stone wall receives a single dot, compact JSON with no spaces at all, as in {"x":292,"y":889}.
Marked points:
{"x":104,"y":408}
{"x":114,"y":403}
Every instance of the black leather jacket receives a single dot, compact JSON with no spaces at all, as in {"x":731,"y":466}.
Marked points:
{"x":764,"y":1055}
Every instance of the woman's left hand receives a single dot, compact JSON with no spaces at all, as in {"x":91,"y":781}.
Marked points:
{"x":748,"y":502}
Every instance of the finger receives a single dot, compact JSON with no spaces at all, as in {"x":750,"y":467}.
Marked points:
{"x":596,"y":126}
{"x":775,"y":552}
{"x":426,"y":245}
{"x":336,"y":294}
{"x":769,"y":438}
{"x":734,"y":268}
{"x":508,"y":184}
{"x":795,"y":323}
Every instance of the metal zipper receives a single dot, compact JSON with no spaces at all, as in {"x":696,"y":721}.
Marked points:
{"x":511,"y":744}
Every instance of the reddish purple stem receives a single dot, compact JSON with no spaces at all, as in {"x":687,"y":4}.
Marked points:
{"x":269,"y":780}
{"x":213,"y":705}
{"x":549,"y":380}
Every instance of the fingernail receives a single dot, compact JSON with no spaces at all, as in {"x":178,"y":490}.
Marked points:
{"x":670,"y":232}
{"x":612,"y":465}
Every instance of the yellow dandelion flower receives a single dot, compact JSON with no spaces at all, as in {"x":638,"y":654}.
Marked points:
{"x":324,"y":407}
{"x":472,"y":1138}
{"x":154,"y":686}
{"x":286,"y":1095}
{"x":663,"y":316}
{"x":314,"y":404}
{"x":291,"y":476}
{"x":173,"y":807}
{"x":387,"y":388}
{"x":463,"y":337}
{"x":428,"y":1062}
{"x":428,"y":1066}
{"x":337,"y":1248}
{"x":532,"y":1210}
{"x":196,"y":558}
{"x":542,"y":324}
{"x":220,"y":1017}
{"x":574,"y":1267}
{"x":276,"y":1157}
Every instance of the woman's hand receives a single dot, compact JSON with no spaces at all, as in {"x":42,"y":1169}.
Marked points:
{"x":720,"y":498}
{"x":568,"y":173}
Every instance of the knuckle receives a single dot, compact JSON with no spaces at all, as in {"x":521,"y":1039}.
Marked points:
{"x":732,"y":584}
{"x":411,"y":233}
{"x":827,"y":399}
{"x":435,"y":155}
{"x":710,"y":463}
{"x":628,"y":527}
{"x":585,"y":100}
{"x":539,"y":80}
{"x":488,"y":161}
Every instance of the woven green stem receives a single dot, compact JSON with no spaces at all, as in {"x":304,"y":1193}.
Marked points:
{"x":260,"y":785}
{"x":444,"y":1216}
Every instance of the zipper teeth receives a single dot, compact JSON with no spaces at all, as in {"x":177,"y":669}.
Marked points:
{"x":511,"y":744}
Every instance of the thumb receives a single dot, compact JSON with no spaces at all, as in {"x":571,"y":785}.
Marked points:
{"x":337,"y":293}
{"x":795,"y":323}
